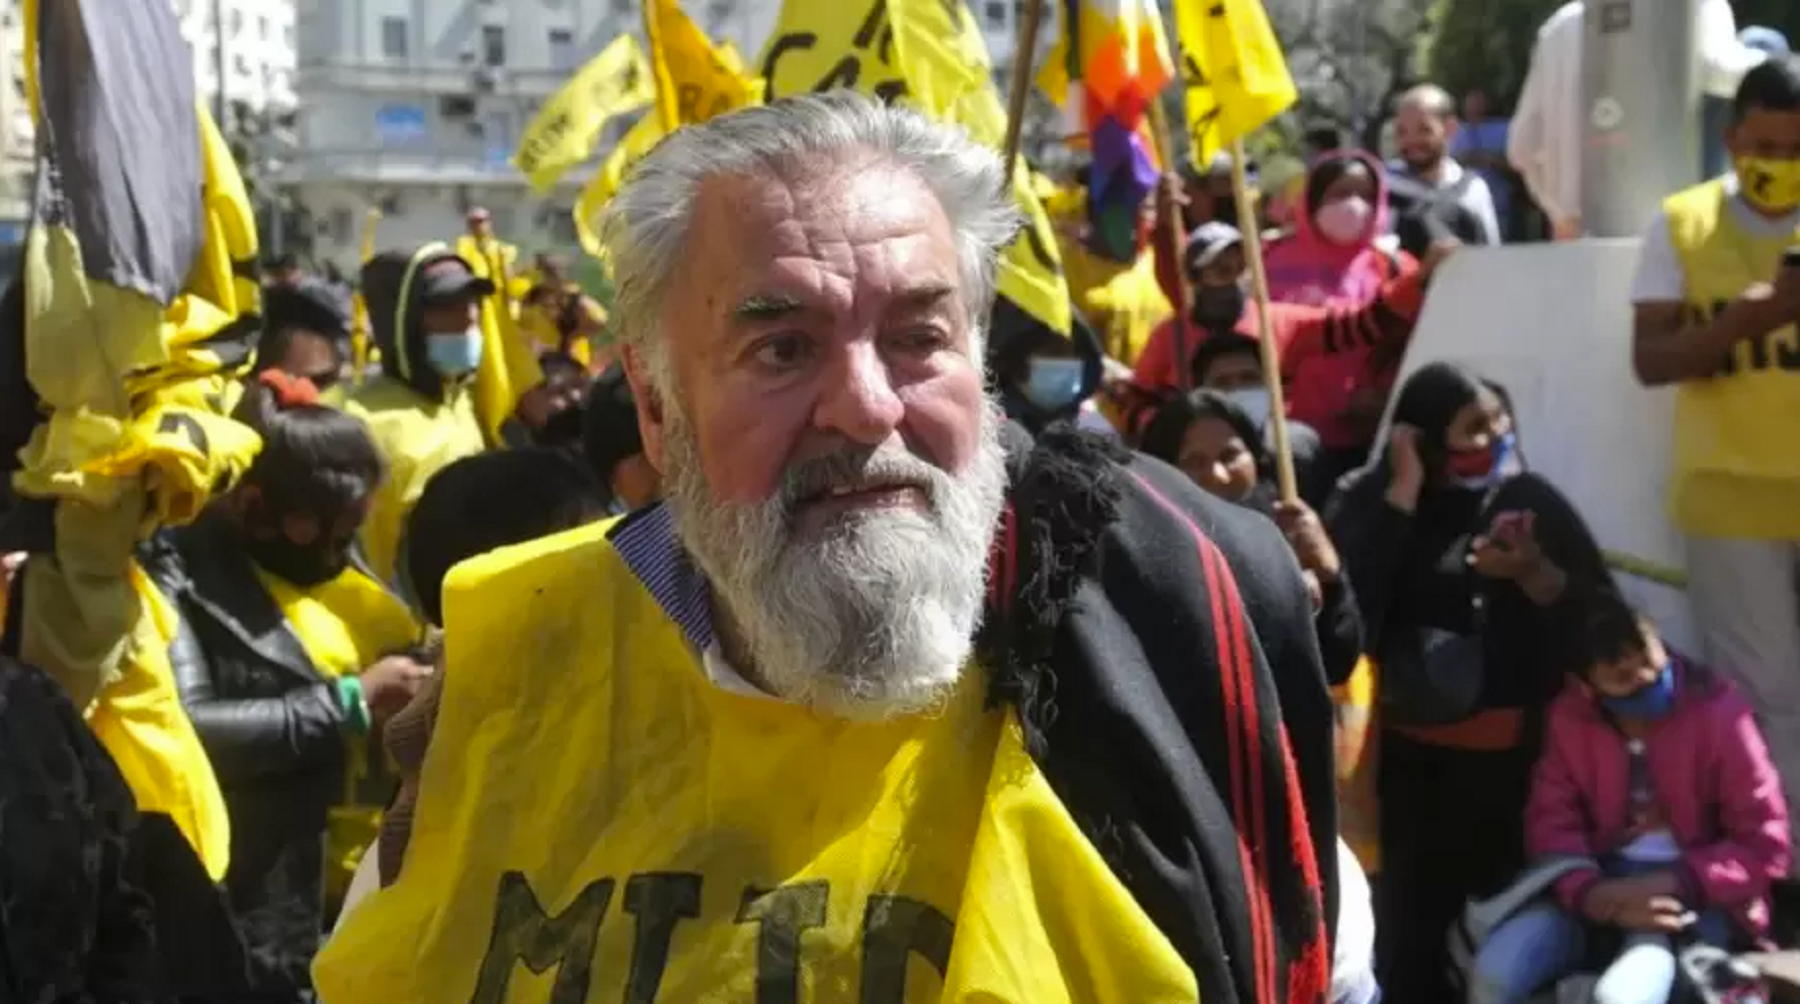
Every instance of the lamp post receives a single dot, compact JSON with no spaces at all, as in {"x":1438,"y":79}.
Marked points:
{"x":1640,"y":110}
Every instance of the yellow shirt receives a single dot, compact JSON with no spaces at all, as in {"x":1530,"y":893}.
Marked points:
{"x":599,"y":822}
{"x":1123,"y":302}
{"x":1735,"y":474}
{"x":347,"y":625}
{"x":417,"y":438}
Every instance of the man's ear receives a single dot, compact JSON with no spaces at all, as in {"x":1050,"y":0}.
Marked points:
{"x":649,"y":407}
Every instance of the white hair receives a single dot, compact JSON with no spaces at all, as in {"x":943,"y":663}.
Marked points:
{"x":644,"y":227}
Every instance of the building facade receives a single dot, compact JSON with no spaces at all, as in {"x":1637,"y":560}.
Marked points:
{"x":414,"y":107}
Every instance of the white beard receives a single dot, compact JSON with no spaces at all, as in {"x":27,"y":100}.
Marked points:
{"x":872,"y":616}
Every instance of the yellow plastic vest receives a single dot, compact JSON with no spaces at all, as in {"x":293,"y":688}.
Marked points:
{"x":600,"y":823}
{"x":346,"y":625}
{"x":1736,"y":474}
{"x":417,"y":438}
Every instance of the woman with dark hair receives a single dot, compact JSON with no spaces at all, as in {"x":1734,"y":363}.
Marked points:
{"x":1462,"y":560}
{"x":1340,"y":254}
{"x":1216,"y":443}
{"x":289,"y":653}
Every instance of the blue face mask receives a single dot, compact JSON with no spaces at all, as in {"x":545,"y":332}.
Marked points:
{"x":454,"y":354}
{"x":1649,"y":703}
{"x":1054,"y":384}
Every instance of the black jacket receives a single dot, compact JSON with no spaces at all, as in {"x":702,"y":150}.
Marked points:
{"x":1159,"y":646}
{"x":72,"y":925}
{"x":275,"y":732}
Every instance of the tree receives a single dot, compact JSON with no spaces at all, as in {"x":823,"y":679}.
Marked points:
{"x":1486,"y":44}
{"x":1350,"y":59}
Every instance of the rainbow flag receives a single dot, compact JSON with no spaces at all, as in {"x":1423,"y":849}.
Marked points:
{"x":1111,"y":62}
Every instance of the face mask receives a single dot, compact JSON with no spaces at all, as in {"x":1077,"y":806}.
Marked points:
{"x":1217,"y":308}
{"x":1650,"y":702}
{"x":1481,"y":468}
{"x":454,"y":354}
{"x":303,"y":566}
{"x":1771,"y":185}
{"x":1346,"y":220}
{"x":1054,"y":384}
{"x":1255,"y":402}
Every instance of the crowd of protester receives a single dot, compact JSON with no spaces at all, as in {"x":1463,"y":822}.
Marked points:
{"x":1526,"y":711}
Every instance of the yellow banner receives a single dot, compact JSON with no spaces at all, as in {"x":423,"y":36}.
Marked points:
{"x":615,"y":82}
{"x":639,"y":141}
{"x":929,"y":55}
{"x":695,"y":80}
{"x":1233,"y":71}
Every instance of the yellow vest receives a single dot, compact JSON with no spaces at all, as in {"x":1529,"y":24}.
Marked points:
{"x":417,"y":438}
{"x":599,"y":822}
{"x":1735,"y":473}
{"x":347,"y":625}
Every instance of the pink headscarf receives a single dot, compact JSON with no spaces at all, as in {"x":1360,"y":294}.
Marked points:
{"x":1311,"y":269}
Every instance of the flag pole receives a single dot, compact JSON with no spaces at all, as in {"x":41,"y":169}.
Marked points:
{"x":1265,"y":338}
{"x":1020,"y":89}
{"x":1173,"y":233}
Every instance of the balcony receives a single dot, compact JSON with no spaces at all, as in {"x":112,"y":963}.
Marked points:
{"x":402,"y":78}
{"x":375,"y":166}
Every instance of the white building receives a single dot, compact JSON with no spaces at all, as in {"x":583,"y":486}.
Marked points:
{"x":258,"y":72}
{"x":414,"y":106}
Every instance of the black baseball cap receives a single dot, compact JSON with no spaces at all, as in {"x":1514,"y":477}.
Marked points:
{"x":449,"y":278}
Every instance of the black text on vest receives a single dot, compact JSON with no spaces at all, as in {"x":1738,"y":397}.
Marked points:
{"x":1780,"y":349}
{"x":525,"y":934}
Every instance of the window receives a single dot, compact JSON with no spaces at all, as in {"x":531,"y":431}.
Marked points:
{"x":393,"y":37}
{"x":340,"y":225}
{"x":493,"y":45}
{"x":262,"y":28}
{"x":562,"y":49}
{"x":624,"y":6}
{"x":237,"y":22}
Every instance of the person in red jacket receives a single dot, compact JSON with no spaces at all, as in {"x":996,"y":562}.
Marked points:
{"x":1654,"y":770}
{"x":1337,"y":364}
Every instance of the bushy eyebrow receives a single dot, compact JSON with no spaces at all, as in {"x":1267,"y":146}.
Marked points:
{"x":766,"y":307}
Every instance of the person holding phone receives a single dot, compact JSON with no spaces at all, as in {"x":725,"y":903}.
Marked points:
{"x":1716,"y":298}
{"x":1461,"y":559}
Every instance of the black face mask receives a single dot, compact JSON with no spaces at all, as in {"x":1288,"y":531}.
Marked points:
{"x":308,"y":565}
{"x":1218,"y":308}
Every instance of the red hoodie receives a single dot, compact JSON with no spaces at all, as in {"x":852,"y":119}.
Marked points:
{"x":1327,"y":354}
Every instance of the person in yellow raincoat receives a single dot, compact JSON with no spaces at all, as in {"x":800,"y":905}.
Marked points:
{"x":746,"y":743}
{"x":288,"y":655}
{"x":424,"y":309}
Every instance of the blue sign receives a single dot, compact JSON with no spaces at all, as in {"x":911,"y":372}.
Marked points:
{"x":402,"y":125}
{"x":12,"y":232}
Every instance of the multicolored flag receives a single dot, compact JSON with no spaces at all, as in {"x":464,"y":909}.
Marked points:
{"x":1111,"y":62}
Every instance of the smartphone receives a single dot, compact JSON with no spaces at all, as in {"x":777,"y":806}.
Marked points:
{"x":1791,"y":258}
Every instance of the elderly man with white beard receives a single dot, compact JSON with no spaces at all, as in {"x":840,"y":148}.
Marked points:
{"x":885,"y":702}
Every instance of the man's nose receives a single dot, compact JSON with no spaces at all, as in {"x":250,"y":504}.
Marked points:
{"x":858,"y":401}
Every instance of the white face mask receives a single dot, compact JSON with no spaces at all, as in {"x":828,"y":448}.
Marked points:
{"x":1346,"y":220}
{"x":1254,"y":400}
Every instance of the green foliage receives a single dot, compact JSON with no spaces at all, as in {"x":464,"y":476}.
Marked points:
{"x":1780,"y":14}
{"x":1486,"y":44}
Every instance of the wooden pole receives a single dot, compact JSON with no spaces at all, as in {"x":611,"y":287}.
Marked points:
{"x":1175,"y":233}
{"x":1271,"y":356}
{"x":1021,"y":81}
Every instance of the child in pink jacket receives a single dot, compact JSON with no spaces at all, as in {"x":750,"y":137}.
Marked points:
{"x":1653,"y":769}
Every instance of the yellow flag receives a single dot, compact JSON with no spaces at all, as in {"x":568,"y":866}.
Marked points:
{"x":1233,"y":71}
{"x":929,"y":55}
{"x":562,"y":135}
{"x":639,"y":141}
{"x":695,"y":80}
